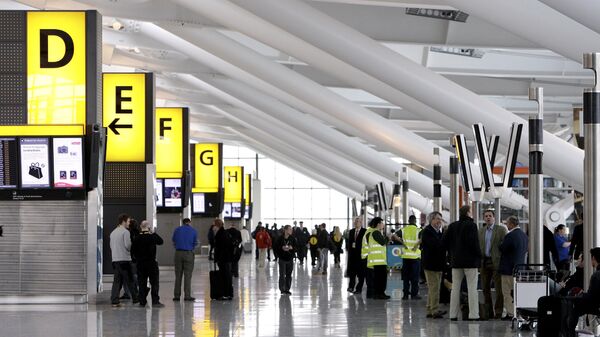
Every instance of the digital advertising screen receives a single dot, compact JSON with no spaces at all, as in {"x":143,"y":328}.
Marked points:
{"x":158,"y":192}
{"x":34,"y":163}
{"x":236,"y":210}
{"x":173,"y":192}
{"x":68,"y":162}
{"x":8,"y":163}
{"x":227,"y":210}
{"x":198,"y":203}
{"x":247,"y":212}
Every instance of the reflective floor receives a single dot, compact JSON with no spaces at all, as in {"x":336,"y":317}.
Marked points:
{"x":319,"y":306}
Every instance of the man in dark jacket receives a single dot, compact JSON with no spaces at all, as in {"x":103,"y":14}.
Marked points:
{"x":323,"y":244}
{"x":576,"y":247}
{"x":461,"y":240}
{"x":301,"y":240}
{"x":236,"y":242}
{"x":144,"y":250}
{"x":433,"y":259}
{"x":589,"y":302}
{"x":550,"y":251}
{"x":223,"y":258}
{"x":355,"y":261}
{"x":285,"y":246}
{"x":512,"y":252}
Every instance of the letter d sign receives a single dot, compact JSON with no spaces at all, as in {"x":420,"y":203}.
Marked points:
{"x":69,"y":48}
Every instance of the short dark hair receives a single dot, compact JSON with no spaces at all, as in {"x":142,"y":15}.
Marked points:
{"x":559,"y":228}
{"x":464,"y":210}
{"x":187,"y":221}
{"x":286,"y":227}
{"x":595,"y":253}
{"x":412,"y":218}
{"x":489,"y":210}
{"x":513,"y":220}
{"x":375,"y":221}
{"x":123,"y":217}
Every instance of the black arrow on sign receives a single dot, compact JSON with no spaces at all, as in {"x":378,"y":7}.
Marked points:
{"x":113,"y":126}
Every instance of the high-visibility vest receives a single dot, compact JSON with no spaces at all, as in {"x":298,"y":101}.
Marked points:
{"x":364,"y":249}
{"x":377,"y":253}
{"x":410,"y":236}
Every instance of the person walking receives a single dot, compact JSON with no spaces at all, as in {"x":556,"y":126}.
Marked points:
{"x":337,"y":239}
{"x":461,"y":240}
{"x":354,"y":248}
{"x":300,"y":234}
{"x":274,"y":236}
{"x":323,"y":243}
{"x":120,"y":248}
{"x":263,"y":242}
{"x":490,"y":237}
{"x":313,"y":241}
{"x":562,"y":247}
{"x":285,"y":247}
{"x":411,"y":260}
{"x":144,"y":250}
{"x":236,"y":241}
{"x":433,"y":256}
{"x":211,"y":241}
{"x":258,"y":227}
{"x":512,"y":252}
{"x":224,"y":258}
{"x":185,"y":239}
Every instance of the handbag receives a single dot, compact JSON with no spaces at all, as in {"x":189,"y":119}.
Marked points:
{"x":35,"y":170}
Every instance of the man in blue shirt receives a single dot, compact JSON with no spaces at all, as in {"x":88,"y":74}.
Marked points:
{"x":185,"y":239}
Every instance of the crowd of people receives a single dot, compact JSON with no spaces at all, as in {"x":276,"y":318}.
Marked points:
{"x":453,"y":259}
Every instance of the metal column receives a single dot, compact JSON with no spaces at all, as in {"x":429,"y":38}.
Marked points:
{"x":454,"y":190}
{"x":404,"y":195}
{"x":397,"y":200}
{"x":498,"y":207}
{"x":364,"y":204}
{"x":437,"y":182}
{"x":536,"y":152}
{"x":475,"y":212}
{"x":591,"y":165}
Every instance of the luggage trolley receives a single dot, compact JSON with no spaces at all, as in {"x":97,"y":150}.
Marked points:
{"x":530,"y":282}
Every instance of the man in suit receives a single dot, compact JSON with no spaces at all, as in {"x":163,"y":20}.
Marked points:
{"x":490,"y":237}
{"x":576,"y":247}
{"x":512,"y":252}
{"x":355,"y":261}
{"x":462,"y":243}
{"x":433,"y":258}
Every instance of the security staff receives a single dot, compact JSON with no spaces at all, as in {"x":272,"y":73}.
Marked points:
{"x":377,"y":258}
{"x":364,"y":254}
{"x":411,"y":259}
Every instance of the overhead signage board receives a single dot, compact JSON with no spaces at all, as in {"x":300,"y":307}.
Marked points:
{"x":61,"y":67}
{"x":128,"y":113}
{"x":207,"y":164}
{"x":247,"y":188}
{"x":171,"y":139}
{"x":233,"y":182}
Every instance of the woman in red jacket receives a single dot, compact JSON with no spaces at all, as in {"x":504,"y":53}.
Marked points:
{"x":263,"y":242}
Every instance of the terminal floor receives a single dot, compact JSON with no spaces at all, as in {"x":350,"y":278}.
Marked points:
{"x":319,"y":306}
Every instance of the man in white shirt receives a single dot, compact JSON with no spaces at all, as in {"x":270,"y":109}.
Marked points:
{"x":120,"y":247}
{"x":490,"y":237}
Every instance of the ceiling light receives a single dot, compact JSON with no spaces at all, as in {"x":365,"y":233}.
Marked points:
{"x":470,"y":52}
{"x":117,"y":25}
{"x":439,"y":14}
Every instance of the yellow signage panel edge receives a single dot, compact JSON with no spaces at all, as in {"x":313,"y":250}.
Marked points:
{"x":207,"y":163}
{"x":169,"y":142}
{"x":233,"y":182}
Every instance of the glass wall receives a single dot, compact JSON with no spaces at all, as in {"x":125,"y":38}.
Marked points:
{"x":288,"y":195}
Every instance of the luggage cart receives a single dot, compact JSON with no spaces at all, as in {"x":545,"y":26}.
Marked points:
{"x":530,"y":282}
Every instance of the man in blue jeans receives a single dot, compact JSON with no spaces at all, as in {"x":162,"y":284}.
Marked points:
{"x":185,"y":239}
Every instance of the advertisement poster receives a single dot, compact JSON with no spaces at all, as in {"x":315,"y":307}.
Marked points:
{"x":198,"y":202}
{"x":236,"y":210}
{"x":68,"y":162}
{"x":34,"y":163}
{"x":172,"y":192}
{"x":227,"y":210}
{"x":158,"y":192}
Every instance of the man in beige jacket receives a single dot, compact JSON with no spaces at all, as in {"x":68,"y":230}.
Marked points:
{"x":490,"y":237}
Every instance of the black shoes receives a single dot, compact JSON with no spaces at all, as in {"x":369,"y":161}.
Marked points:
{"x":350,"y":290}
{"x":382,"y":297}
{"x":176,"y":299}
{"x":189,"y":299}
{"x":158,"y":305}
{"x":507,"y":318}
{"x":286,"y":293}
{"x":405,"y":297}
{"x":416,"y":297}
{"x":358,"y":291}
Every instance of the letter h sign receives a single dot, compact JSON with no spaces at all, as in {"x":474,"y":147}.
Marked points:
{"x":486,"y":153}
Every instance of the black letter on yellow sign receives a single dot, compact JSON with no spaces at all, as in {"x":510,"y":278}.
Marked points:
{"x":210,"y":159}
{"x":163,"y":127}
{"x":120,"y":99}
{"x":232,"y":176}
{"x":69,"y":48}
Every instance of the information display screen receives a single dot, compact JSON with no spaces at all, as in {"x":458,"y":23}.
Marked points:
{"x":34,"y":163}
{"x":68,"y":162}
{"x":227,"y":210}
{"x":247,"y":212}
{"x":8,"y":163}
{"x":172,"y":192}
{"x":158,"y":192}
{"x":198,"y":203}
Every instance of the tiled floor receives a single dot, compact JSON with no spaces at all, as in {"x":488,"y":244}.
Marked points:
{"x":319,"y":306}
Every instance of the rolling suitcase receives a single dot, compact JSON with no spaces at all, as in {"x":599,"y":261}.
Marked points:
{"x":554,"y":314}
{"x":216,"y":284}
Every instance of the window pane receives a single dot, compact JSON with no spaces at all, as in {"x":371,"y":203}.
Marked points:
{"x":284,"y":177}
{"x":284,"y":204}
{"x":230,"y":151}
{"x":266,"y":172}
{"x":320,"y":203}
{"x":302,"y":204}
{"x":268,"y":203}
{"x":302,"y":181}
{"x":339,"y":203}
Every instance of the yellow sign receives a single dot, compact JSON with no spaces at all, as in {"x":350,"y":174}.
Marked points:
{"x":56,"y":68}
{"x":169,"y":142}
{"x":233,"y":182}
{"x":41,"y":130}
{"x":207,"y":168}
{"x":247,"y":188}
{"x":124,"y":114}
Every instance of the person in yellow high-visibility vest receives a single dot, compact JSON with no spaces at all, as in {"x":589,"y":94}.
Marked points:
{"x":411,"y":259}
{"x":364,"y":254}
{"x":377,"y":257}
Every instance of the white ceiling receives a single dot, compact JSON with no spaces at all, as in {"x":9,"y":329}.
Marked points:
{"x":511,"y":63}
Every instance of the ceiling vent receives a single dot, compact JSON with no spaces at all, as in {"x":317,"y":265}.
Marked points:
{"x":470,"y":52}
{"x":439,"y":14}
